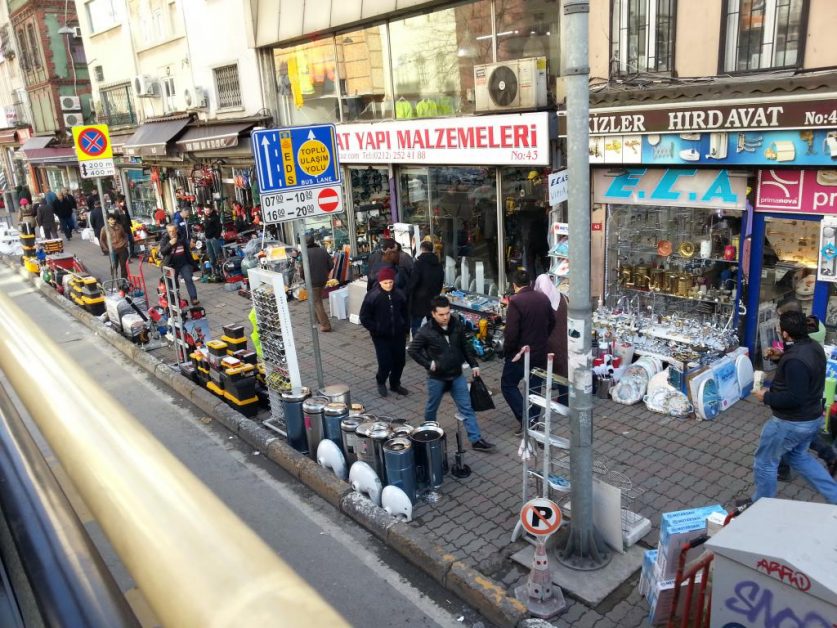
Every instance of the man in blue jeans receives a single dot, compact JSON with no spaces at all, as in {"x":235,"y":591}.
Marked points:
{"x":795,"y":397}
{"x":441,"y":348}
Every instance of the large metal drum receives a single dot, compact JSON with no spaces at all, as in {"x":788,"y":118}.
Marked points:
{"x":428,"y":447}
{"x":400,"y":463}
{"x":292,"y":401}
{"x":335,"y":393}
{"x":312,"y":412}
{"x":371,"y":437}
{"x":333,"y":415}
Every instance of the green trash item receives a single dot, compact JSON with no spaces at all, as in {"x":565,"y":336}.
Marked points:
{"x":254,"y":337}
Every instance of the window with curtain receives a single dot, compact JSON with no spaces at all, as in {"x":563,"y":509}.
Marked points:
{"x":763,"y":34}
{"x":33,"y":46}
{"x":642,"y":34}
{"x":25,"y":56}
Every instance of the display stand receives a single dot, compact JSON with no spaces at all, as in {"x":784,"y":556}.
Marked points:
{"x":267,"y":289}
{"x":555,"y":472}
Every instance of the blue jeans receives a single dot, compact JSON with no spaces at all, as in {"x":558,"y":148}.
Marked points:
{"x":186,"y":271}
{"x":461,"y":397}
{"x":513,"y":373}
{"x":791,"y":439}
{"x":215,"y":250}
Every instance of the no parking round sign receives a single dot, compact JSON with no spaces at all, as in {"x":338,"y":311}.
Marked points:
{"x":540,"y":516}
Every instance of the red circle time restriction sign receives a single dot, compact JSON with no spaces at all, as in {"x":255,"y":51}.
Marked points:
{"x":328,"y":199}
{"x":92,"y":142}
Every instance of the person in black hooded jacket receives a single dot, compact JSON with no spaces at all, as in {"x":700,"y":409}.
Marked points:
{"x":426,"y":280}
{"x":384,"y":315}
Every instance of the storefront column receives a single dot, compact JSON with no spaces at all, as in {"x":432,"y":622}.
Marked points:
{"x":501,"y":233}
{"x":348,"y":200}
{"x":754,"y":291}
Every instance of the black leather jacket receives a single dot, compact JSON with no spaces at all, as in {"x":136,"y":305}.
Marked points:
{"x":447,"y":348}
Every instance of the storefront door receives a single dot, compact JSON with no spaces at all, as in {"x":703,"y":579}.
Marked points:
{"x":371,"y":205}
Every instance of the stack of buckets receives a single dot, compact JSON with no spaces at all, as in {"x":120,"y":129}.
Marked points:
{"x":27,"y":240}
{"x":412,"y":459}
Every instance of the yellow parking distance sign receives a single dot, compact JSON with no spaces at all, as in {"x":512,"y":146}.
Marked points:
{"x":92,"y":142}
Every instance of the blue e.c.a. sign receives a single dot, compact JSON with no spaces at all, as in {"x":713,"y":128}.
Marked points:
{"x":671,"y":187}
{"x":296,"y":157}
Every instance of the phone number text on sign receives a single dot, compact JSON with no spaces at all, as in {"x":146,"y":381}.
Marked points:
{"x":286,"y":206}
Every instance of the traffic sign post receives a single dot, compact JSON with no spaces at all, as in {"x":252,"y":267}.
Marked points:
{"x":95,"y":157}
{"x":299,"y":176}
{"x":541,"y":517}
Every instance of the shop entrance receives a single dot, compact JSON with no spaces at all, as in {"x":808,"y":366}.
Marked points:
{"x":784,"y":263}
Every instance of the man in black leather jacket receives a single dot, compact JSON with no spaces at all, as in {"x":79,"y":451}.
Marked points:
{"x":441,"y":348}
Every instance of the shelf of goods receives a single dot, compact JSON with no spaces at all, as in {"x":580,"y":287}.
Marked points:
{"x":277,"y":339}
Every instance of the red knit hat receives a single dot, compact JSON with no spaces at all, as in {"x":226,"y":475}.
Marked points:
{"x":386,"y":274}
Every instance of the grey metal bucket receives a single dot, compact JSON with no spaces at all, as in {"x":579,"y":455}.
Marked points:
{"x":312,"y":412}
{"x":428,"y":448}
{"x":400,"y":463}
{"x":292,"y":401}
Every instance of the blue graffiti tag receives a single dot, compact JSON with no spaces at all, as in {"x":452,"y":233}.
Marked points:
{"x":756,"y":605}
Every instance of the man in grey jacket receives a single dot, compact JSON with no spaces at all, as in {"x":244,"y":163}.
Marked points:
{"x":320,"y":264}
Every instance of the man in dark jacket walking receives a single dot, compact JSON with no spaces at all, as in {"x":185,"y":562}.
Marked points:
{"x":529,"y":321}
{"x":795,"y":398}
{"x":425,"y":283}
{"x":176,"y":253}
{"x":124,"y":219}
{"x":214,"y":241}
{"x":441,"y":348}
{"x":320,"y":264}
{"x":46,"y":219}
{"x":64,"y":206}
{"x":384,"y":315}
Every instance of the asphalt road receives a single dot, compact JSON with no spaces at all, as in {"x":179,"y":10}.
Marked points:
{"x":364,"y":580}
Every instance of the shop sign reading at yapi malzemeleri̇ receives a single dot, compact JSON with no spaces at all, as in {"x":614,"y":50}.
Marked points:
{"x":502,"y":140}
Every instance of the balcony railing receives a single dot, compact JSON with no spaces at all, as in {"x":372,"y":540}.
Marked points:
{"x":117,"y":118}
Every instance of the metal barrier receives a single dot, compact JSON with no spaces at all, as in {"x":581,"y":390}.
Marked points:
{"x":194,"y":560}
{"x":58,"y":566}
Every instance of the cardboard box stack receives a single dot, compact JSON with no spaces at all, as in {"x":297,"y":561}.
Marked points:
{"x":659,"y":567}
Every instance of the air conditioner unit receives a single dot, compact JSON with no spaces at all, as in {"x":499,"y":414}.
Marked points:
{"x":519,"y":84}
{"x":145,"y":86}
{"x":73,"y":119}
{"x":196,"y":98}
{"x":70,"y":103}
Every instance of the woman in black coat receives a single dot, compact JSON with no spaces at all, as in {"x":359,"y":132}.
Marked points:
{"x":425,"y":282}
{"x":384,"y":315}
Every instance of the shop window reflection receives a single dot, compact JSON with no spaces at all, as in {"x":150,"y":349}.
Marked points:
{"x":525,"y":220}
{"x":371,"y":202}
{"x":306,"y":82}
{"x":329,"y":232}
{"x":434,"y":67}
{"x":789,"y":261}
{"x":365,"y":87}
{"x":457,"y":208}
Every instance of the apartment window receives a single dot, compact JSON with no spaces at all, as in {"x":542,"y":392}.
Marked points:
{"x":102,"y":14}
{"x":762,"y":34}
{"x":25,"y":58}
{"x":227,"y":87}
{"x":169,"y":92}
{"x":33,"y":46}
{"x":642,"y":36}
{"x":117,"y":108}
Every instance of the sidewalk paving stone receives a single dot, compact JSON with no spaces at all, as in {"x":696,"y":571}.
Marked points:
{"x":673,"y":463}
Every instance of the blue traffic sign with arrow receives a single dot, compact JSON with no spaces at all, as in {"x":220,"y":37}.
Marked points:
{"x":296,"y":157}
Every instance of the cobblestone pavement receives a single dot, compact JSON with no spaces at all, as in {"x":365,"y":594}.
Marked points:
{"x":672,"y":464}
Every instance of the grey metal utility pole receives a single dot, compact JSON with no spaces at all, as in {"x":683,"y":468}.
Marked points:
{"x":584,"y":548}
{"x":312,"y":315}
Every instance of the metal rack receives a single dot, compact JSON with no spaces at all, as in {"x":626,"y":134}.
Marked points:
{"x":267,"y":289}
{"x":172,"y":287}
{"x":554,"y":477}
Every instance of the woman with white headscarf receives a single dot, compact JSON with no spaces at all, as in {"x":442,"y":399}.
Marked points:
{"x":557,"y":342}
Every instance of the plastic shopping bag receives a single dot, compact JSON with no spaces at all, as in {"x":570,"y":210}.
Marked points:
{"x":480,"y":397}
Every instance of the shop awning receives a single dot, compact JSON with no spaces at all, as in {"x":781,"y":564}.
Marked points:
{"x":59,"y":155}
{"x":117,"y":142}
{"x":199,"y":138}
{"x":8,"y":136}
{"x":36,"y":143}
{"x":152,"y":137}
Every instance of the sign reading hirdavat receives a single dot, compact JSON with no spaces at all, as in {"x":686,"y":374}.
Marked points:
{"x":814,"y":114}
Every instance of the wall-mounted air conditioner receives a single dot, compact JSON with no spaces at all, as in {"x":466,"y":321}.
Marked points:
{"x":145,"y":86}
{"x":73,"y":119}
{"x":196,"y":98}
{"x":519,"y":84}
{"x":70,"y":103}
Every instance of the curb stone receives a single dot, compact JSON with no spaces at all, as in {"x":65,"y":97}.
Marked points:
{"x":481,"y":592}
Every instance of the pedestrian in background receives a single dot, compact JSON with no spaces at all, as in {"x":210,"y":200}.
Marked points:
{"x":27,"y":215}
{"x":388,"y":260}
{"x":384,"y":314}
{"x":405,"y":261}
{"x":118,"y":245}
{"x":425,"y":282}
{"x":530,"y":320}
{"x":124,"y":219}
{"x":46,"y":219}
{"x":320,"y":264}
{"x":64,"y":206}
{"x":557,"y":342}
{"x":214,"y":242}
{"x":177,"y":254}
{"x":441,"y":348}
{"x":795,"y":399}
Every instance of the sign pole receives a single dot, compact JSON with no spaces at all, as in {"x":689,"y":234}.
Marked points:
{"x":107,"y":231}
{"x":312,"y":316}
